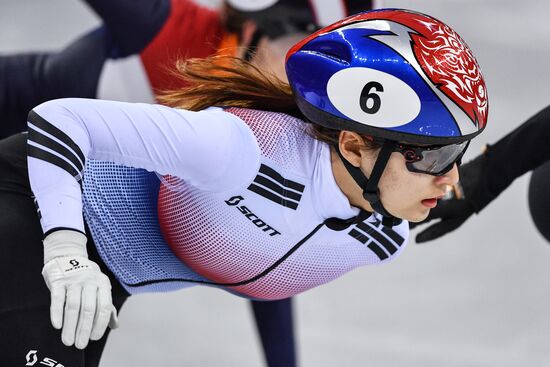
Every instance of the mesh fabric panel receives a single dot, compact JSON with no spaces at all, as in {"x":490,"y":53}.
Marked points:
{"x":120,"y":208}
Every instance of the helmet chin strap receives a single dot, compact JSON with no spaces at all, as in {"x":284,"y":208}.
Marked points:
{"x":371,"y":193}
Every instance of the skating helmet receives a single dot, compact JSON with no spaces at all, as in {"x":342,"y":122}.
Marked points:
{"x":393,"y":74}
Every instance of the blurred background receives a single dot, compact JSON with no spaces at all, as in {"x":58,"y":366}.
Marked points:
{"x":477,"y":297}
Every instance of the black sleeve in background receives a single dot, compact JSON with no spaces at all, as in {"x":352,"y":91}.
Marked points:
{"x":25,"y":307}
{"x":13,"y":165}
{"x":26,"y":80}
{"x":25,"y":302}
{"x":519,"y":152}
{"x":132,"y":23}
{"x":539,"y":199}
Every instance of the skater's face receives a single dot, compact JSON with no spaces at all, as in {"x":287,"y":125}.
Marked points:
{"x":404,"y":194}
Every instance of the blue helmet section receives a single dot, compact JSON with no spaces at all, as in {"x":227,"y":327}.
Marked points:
{"x":310,"y":69}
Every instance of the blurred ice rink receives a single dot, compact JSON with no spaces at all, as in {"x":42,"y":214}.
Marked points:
{"x":477,"y":298}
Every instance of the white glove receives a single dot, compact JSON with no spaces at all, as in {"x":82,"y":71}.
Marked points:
{"x":81,"y":300}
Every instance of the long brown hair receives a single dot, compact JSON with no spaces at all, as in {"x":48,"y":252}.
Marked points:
{"x":228,"y":81}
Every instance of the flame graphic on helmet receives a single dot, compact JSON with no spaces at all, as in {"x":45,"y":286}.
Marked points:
{"x":449,"y":63}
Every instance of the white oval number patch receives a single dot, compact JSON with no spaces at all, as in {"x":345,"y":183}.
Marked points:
{"x":373,"y":97}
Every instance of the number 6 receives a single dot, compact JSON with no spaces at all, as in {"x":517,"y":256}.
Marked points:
{"x":366,"y":95}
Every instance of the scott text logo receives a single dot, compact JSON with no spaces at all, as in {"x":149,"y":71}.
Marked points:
{"x":32,"y":358}
{"x":234,"y":200}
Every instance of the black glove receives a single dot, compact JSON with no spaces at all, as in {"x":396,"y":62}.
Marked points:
{"x":460,"y":205}
{"x":483,"y":179}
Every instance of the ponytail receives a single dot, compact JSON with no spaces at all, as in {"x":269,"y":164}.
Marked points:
{"x":227,"y":81}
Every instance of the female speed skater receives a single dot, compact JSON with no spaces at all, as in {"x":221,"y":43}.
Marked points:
{"x":158,"y":186}
{"x":161,"y":31}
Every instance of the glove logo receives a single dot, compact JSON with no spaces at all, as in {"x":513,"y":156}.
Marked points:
{"x":73,"y":262}
{"x":31,"y":358}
